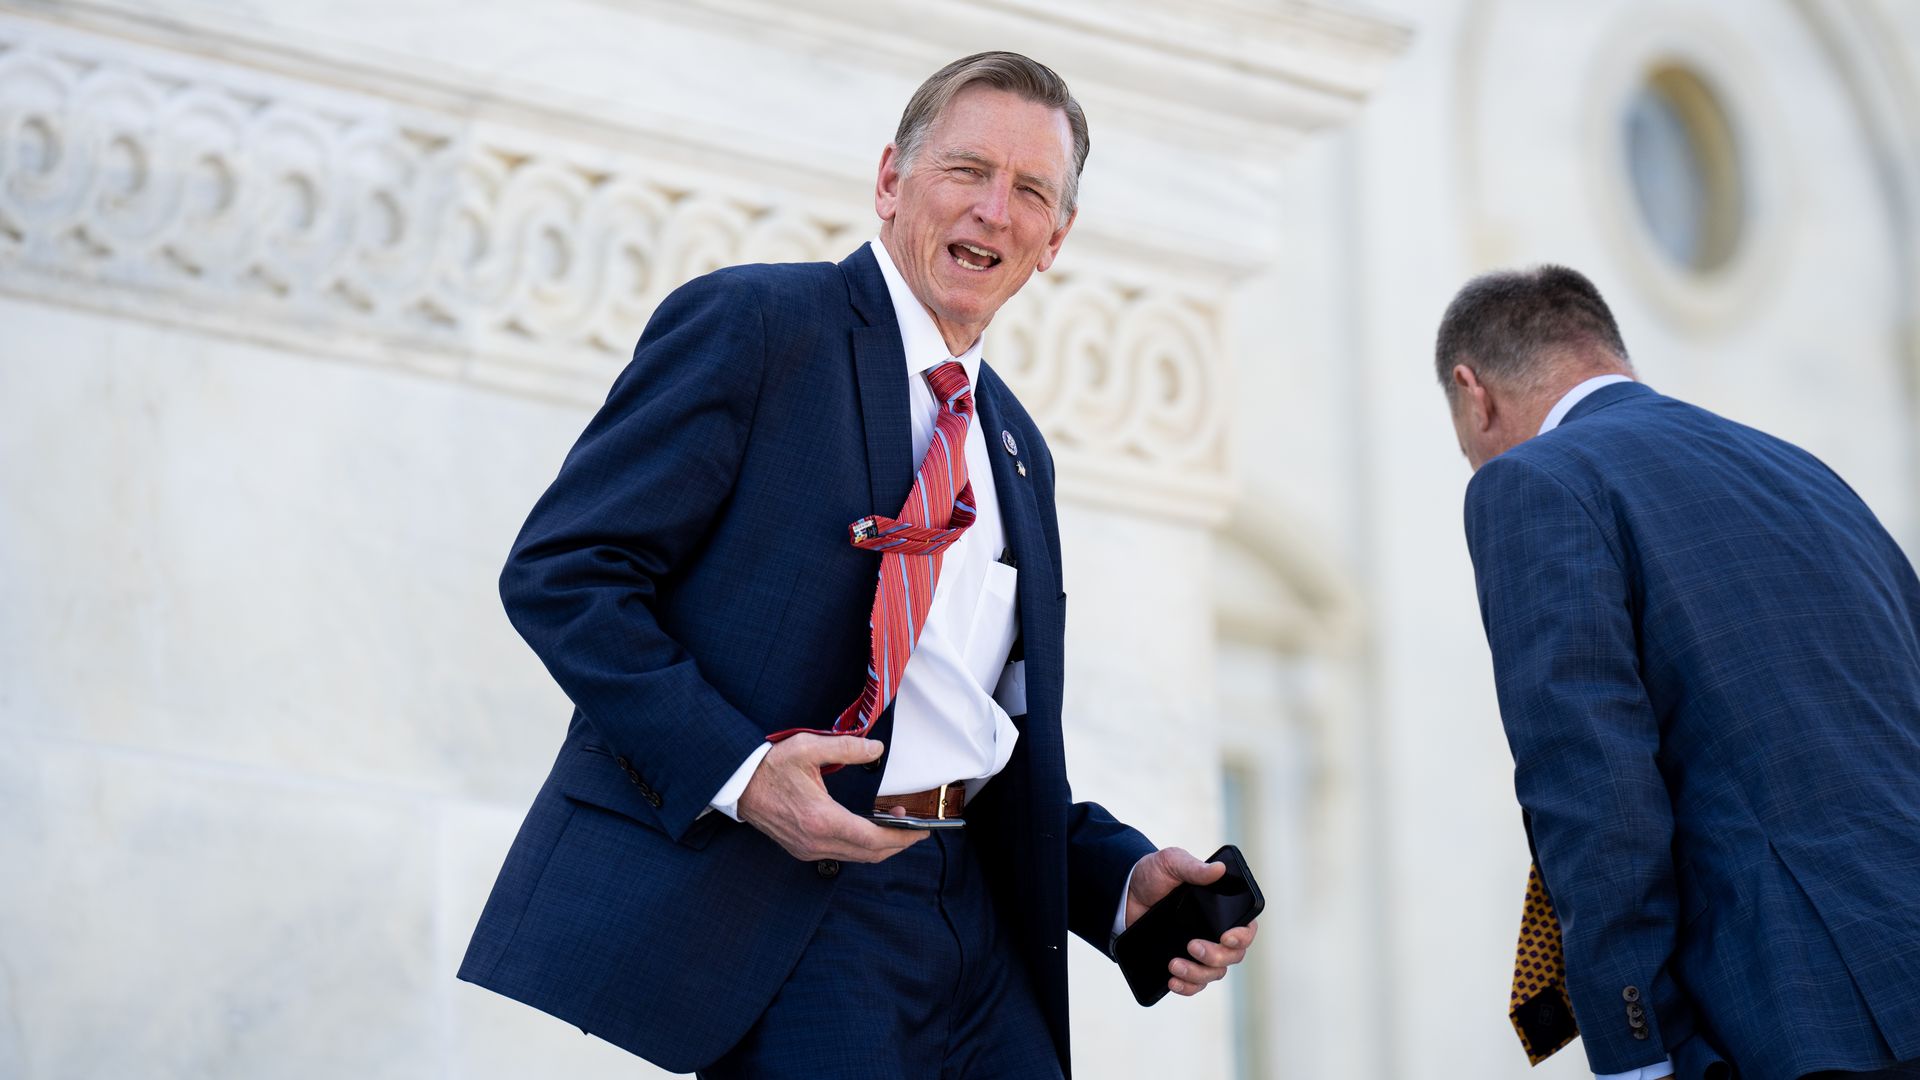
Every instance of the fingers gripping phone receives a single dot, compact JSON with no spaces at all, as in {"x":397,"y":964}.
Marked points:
{"x":1205,"y":912}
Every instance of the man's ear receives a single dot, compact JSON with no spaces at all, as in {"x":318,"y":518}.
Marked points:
{"x":1059,"y":237}
{"x":886,"y":186}
{"x":1474,"y":398}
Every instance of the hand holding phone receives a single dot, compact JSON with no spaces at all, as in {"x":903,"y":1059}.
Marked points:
{"x":1189,"y":912}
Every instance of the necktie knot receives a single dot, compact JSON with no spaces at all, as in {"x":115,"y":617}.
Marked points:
{"x":949,"y":384}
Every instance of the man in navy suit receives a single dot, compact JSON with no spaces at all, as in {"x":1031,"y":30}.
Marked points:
{"x":1707,"y":652}
{"x":714,"y":899}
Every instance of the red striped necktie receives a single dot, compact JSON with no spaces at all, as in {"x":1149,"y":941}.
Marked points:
{"x":939,"y":508}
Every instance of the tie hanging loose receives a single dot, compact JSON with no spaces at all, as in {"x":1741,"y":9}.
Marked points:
{"x":939,"y":508}
{"x":1541,"y":1012}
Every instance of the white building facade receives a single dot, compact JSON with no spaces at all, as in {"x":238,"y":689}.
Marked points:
{"x":301,"y":306}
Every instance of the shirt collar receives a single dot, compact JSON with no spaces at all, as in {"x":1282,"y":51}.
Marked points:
{"x":919,"y":337}
{"x":1575,"y":396}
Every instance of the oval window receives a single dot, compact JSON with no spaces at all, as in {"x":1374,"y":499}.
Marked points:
{"x":1684,"y":163}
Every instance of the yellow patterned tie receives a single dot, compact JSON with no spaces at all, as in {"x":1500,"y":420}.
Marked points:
{"x":1540,"y":1009}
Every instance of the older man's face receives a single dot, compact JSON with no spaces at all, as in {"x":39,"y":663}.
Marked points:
{"x":979,"y":210}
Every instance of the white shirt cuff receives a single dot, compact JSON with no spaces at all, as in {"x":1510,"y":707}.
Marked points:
{"x":1644,"y":1072}
{"x":727,"y":799}
{"x":1120,"y":913}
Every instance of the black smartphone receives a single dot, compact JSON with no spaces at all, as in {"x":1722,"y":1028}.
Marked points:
{"x":1188,"y":912}
{"x":881,"y":817}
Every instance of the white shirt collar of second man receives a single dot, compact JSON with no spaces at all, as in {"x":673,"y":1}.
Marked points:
{"x":1574,"y":397}
{"x":921,"y":339}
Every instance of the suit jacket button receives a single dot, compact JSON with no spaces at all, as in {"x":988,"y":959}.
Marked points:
{"x":1631,"y":994}
{"x":1635,"y":1011}
{"x":826,"y":868}
{"x":1640,"y":1033}
{"x":874,"y":765}
{"x":622,"y":762}
{"x":1637,"y":1022}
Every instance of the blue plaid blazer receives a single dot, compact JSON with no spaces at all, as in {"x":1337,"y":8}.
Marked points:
{"x":1707,"y":652}
{"x":688,"y":581}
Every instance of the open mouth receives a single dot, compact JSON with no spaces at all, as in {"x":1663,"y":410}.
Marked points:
{"x":973,"y":258}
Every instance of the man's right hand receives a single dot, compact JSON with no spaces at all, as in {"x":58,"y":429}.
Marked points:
{"x":787,"y":800}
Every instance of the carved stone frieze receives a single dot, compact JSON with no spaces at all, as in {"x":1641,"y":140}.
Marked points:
{"x":226,"y":198}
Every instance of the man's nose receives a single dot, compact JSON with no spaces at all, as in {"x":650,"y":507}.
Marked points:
{"x":994,"y":205}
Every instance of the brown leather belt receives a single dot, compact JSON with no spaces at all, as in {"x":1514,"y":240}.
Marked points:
{"x":945,"y":801}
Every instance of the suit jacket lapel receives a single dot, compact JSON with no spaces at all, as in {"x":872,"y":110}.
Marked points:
{"x":880,"y":370}
{"x":1019,"y":507}
{"x":1038,"y":589}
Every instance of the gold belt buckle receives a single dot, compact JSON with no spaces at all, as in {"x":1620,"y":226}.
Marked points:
{"x":940,"y":808}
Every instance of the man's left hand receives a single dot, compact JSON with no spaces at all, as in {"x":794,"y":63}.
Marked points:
{"x":1154,"y":877}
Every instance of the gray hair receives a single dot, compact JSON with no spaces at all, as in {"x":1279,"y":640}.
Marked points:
{"x":1518,"y":326}
{"x":1008,"y":71}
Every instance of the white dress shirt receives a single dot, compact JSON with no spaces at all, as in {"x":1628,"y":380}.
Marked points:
{"x":946,"y":724}
{"x":1559,"y":412}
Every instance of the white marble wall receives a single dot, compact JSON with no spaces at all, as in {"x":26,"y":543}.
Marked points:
{"x":263,"y":722}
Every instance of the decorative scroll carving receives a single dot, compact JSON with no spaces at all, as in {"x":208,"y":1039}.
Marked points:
{"x":233,"y":200}
{"x":1115,"y":371}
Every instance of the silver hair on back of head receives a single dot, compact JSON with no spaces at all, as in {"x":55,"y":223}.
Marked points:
{"x":1008,"y":71}
{"x":1513,"y":326}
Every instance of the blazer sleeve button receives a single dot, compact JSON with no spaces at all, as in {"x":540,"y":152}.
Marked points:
{"x":826,"y":868}
{"x":1630,"y":994}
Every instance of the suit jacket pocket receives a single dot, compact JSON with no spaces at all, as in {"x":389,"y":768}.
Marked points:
{"x":996,"y":622}
{"x":590,"y":776}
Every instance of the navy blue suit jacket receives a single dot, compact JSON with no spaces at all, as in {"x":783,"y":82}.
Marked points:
{"x":689,"y":583}
{"x":1708,"y":664}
